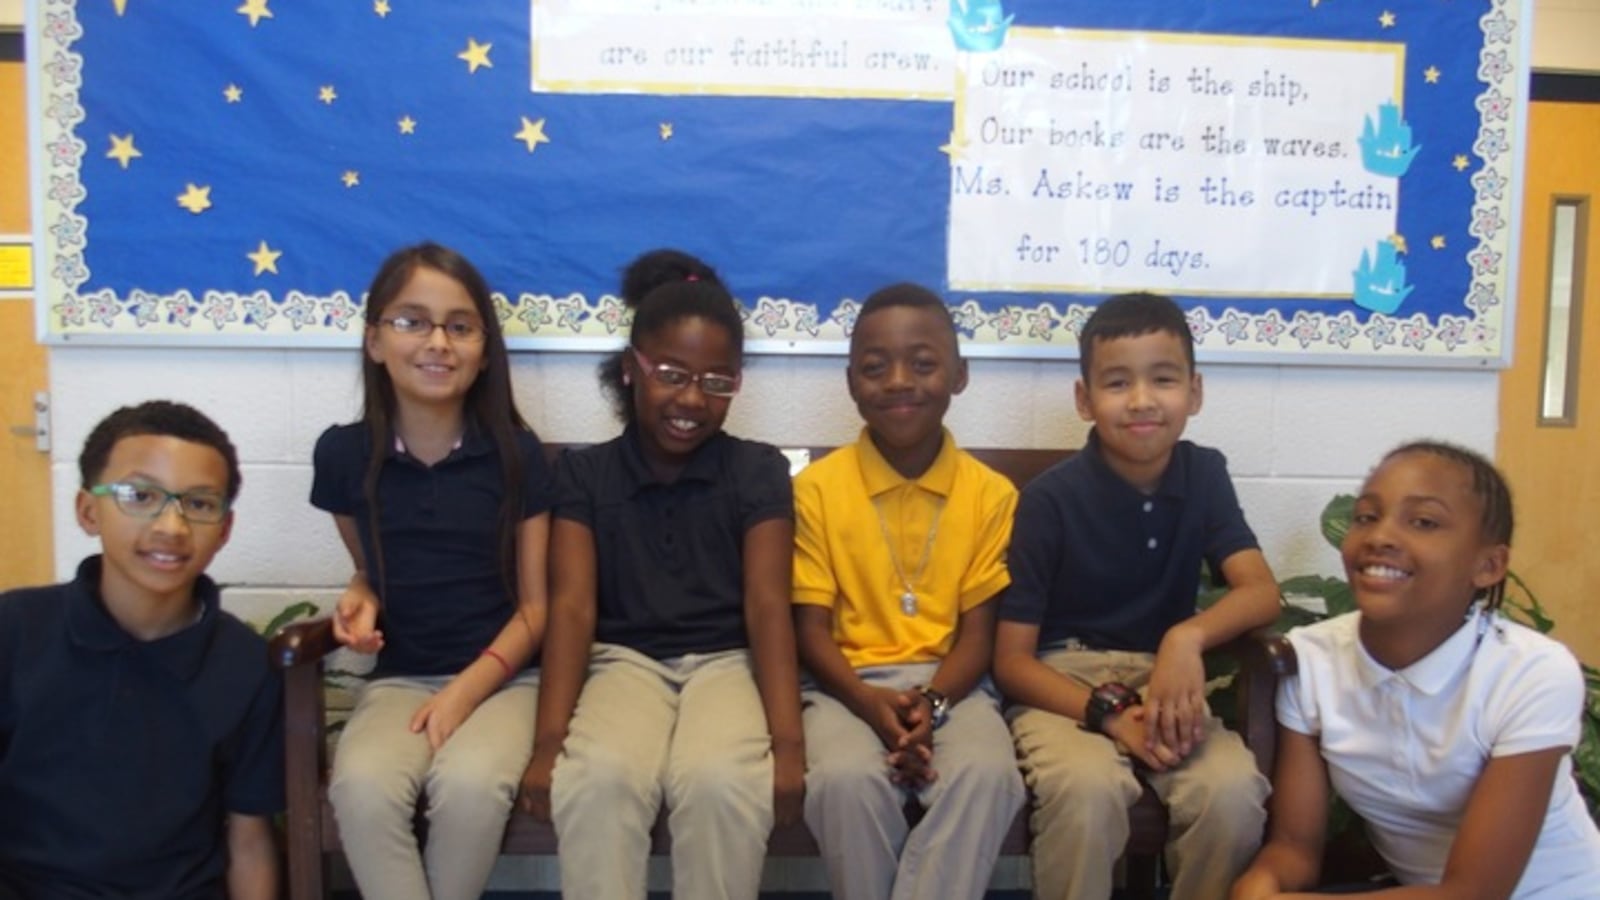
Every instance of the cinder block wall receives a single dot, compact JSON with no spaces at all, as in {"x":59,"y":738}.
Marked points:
{"x":1294,"y":436}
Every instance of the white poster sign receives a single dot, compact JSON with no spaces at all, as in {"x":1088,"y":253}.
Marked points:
{"x":1195,"y":163}
{"x":777,"y":48}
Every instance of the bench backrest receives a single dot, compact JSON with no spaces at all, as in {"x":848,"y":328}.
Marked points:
{"x":1018,"y":465}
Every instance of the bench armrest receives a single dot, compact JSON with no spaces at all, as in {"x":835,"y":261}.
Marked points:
{"x":1264,"y":657}
{"x":302,"y":643}
{"x":297,"y":653}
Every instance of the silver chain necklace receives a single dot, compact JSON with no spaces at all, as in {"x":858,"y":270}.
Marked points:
{"x":908,"y":599}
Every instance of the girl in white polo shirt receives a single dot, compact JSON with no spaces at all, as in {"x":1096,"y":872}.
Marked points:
{"x":1448,"y":728}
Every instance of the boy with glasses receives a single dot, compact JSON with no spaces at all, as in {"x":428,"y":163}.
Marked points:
{"x":140,"y":729}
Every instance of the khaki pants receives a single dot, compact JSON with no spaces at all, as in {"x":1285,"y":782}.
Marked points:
{"x":381,"y":768}
{"x":858,"y":816}
{"x":1083,"y":786}
{"x":690,"y":732}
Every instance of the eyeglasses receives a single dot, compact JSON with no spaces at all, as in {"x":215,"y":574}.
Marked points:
{"x":712,"y":384}
{"x":146,"y":501}
{"x":459,"y":331}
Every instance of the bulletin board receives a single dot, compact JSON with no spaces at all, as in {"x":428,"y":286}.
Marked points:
{"x":1328,"y":182}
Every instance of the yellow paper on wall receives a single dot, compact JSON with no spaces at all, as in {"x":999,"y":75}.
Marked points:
{"x":16,"y":267}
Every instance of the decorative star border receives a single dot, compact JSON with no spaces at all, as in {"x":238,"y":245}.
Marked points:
{"x":530,"y":317}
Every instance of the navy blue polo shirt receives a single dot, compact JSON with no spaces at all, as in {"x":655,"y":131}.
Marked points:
{"x":444,"y":592}
{"x":671,"y":556}
{"x":1095,"y":559}
{"x":120,"y":758}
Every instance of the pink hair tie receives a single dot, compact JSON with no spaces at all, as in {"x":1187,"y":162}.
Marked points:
{"x":691,"y":277}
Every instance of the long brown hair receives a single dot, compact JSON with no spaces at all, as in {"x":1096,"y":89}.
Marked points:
{"x":489,"y":404}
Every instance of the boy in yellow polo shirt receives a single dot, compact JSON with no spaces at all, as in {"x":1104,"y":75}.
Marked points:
{"x":900,"y":543}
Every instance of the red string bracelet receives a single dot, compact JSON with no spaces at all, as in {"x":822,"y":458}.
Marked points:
{"x":490,"y":652}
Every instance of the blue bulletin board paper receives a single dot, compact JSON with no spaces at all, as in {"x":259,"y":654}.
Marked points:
{"x":1327,"y":182}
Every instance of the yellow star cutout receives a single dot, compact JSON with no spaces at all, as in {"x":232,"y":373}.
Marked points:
{"x":265,"y":258}
{"x":476,"y":55}
{"x":351,"y":178}
{"x":1460,"y":162}
{"x":666,"y":131}
{"x":381,"y":7}
{"x":1431,"y":74}
{"x":1399,"y":242}
{"x":122,"y":150}
{"x":195,"y":199}
{"x":1386,"y":19}
{"x":121,"y":6}
{"x":532,"y":133}
{"x":233,"y":93}
{"x":1437,"y":242}
{"x":407,"y":125}
{"x":955,"y":148}
{"x":327,"y":94}
{"x":256,"y":10}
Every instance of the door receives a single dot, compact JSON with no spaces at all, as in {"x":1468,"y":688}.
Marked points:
{"x":25,"y":545}
{"x":1554,"y":467}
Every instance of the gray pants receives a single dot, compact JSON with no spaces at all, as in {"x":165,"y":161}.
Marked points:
{"x":689,"y":731}
{"x":1083,"y":786}
{"x":857,"y":814}
{"x":381,"y":768}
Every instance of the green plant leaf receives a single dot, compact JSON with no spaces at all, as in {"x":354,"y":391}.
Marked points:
{"x":1336,"y":518}
{"x":305,"y":609}
{"x":1335,"y":592}
{"x":1294,"y":617}
{"x":1522,"y":605}
{"x":1321,"y":586}
{"x":1586,"y":758}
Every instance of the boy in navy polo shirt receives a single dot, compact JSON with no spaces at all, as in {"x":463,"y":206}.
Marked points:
{"x":140,"y":735}
{"x":1099,"y":625}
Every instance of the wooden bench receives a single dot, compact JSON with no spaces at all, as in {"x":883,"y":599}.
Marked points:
{"x":312,"y":833}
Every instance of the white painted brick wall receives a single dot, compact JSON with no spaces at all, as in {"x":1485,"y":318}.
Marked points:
{"x":1294,"y":436}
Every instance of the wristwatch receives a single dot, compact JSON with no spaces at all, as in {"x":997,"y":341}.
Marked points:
{"x":1107,"y":700}
{"x":939,"y":703}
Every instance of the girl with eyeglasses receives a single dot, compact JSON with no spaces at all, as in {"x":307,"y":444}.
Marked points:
{"x":670,"y":676}
{"x":441,"y":494}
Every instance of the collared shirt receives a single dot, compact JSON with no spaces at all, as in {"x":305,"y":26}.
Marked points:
{"x":441,"y":582}
{"x":120,"y":758}
{"x":1406,"y":747}
{"x":862,"y":531}
{"x":1095,"y":559}
{"x":670,"y":556}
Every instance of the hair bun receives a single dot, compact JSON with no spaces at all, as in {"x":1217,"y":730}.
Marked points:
{"x":657,"y":267}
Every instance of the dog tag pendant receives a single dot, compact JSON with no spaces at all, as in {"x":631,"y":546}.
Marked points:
{"x":908,"y":603}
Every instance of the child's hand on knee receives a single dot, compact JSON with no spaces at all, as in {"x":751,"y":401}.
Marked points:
{"x":1131,"y":731}
{"x":881,"y":708}
{"x":533,"y":793}
{"x":788,"y":786}
{"x":441,"y":715}
{"x":1175,"y":701}
{"x":911,"y":759}
{"x":912,"y":767}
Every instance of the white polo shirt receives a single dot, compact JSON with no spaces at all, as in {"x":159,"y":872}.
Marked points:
{"x":1404,"y":748}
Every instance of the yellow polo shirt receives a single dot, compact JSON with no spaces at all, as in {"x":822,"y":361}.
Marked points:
{"x":851,"y":504}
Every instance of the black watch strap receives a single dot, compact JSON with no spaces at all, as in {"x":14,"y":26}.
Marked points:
{"x":938,"y":703}
{"x":1105,"y":701}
